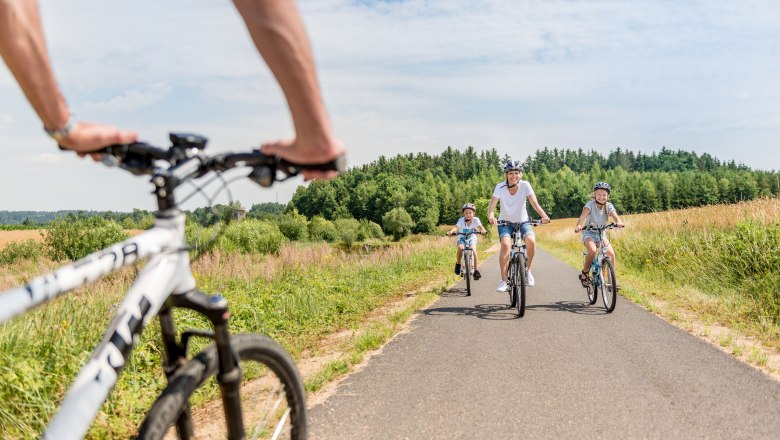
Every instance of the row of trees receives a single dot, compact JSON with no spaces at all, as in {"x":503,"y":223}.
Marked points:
{"x":431,"y":189}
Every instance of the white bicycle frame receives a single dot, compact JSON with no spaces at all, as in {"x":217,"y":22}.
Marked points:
{"x":167,"y":272}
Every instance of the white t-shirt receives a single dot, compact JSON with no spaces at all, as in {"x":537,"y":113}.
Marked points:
{"x":462,"y":227}
{"x":513,"y":206}
{"x":596,"y":216}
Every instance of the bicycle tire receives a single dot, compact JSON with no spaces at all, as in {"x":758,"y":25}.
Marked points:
{"x":467,"y":274}
{"x":511,"y":282}
{"x":174,"y":400}
{"x":521,"y":285}
{"x":608,"y":291}
{"x":593,"y":294}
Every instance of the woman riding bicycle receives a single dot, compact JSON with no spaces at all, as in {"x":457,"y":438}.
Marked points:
{"x":467,"y":223}
{"x":512,"y":194}
{"x":596,"y":213}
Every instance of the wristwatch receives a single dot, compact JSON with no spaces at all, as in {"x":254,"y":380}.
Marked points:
{"x":60,"y":133}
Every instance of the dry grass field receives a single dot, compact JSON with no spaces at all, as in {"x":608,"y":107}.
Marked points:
{"x":22,"y":235}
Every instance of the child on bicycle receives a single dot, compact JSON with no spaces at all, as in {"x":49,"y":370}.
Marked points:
{"x":467,"y":223}
{"x":596,"y":212}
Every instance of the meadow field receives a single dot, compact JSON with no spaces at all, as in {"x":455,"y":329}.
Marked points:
{"x":16,"y":236}
{"x":713,"y":270}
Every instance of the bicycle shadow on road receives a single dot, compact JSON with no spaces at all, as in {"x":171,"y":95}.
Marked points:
{"x":494,"y":312}
{"x":454,"y":292}
{"x":580,"y":308}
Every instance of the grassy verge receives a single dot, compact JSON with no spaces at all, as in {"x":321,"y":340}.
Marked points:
{"x":299,"y":297}
{"x":712,"y":270}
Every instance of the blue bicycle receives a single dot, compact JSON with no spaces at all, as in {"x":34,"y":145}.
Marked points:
{"x":601,"y":276}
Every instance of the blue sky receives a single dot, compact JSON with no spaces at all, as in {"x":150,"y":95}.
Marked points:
{"x":401,"y":77}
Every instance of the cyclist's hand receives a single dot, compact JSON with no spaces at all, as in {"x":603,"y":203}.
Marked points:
{"x":305,"y":152}
{"x":620,"y":225}
{"x":86,"y":137}
{"x":578,"y":229}
{"x":492,"y":220}
{"x":545,"y":220}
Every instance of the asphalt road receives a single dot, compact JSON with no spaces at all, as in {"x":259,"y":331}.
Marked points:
{"x":470,"y":369}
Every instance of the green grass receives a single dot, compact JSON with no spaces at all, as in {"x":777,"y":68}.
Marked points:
{"x":728,"y":275}
{"x":304,"y":301}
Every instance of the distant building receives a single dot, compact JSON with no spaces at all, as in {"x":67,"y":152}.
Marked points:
{"x":239,"y":214}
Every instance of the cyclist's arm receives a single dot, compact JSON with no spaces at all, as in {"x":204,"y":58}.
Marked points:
{"x":278,"y":33}
{"x":617,"y":219}
{"x":492,"y":210}
{"x":538,"y":208}
{"x":581,"y":220}
{"x":23,"y":47}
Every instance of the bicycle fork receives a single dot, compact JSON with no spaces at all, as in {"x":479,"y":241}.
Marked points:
{"x":229,"y":376}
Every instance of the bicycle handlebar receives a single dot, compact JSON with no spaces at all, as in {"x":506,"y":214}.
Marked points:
{"x":468,"y":233}
{"x":517,"y":225}
{"x":601,"y":228}
{"x":186,"y":160}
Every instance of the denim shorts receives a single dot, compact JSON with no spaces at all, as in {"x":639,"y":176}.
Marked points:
{"x":471,"y":241}
{"x":595,"y":236}
{"x":506,"y":231}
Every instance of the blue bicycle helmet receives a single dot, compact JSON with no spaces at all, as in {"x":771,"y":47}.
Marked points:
{"x":513,"y":165}
{"x":602,"y":185}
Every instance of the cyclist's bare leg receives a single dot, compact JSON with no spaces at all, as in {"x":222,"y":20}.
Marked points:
{"x":530,"y":249}
{"x":590,"y":246}
{"x":476,"y":260}
{"x":460,"y":254}
{"x":503,"y":257}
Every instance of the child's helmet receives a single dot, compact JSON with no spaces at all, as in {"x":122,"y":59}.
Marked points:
{"x":513,"y":165}
{"x":468,"y":206}
{"x":602,"y":185}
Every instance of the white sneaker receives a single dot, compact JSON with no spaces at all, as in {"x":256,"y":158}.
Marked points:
{"x":530,"y":280}
{"x":502,"y":287}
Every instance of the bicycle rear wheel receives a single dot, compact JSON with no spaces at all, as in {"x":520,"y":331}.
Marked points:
{"x":608,"y":290}
{"x":467,"y":273}
{"x":520,"y":281}
{"x":593,"y":293}
{"x":273,"y":405}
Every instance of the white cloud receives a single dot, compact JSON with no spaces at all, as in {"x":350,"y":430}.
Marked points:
{"x":130,"y":101}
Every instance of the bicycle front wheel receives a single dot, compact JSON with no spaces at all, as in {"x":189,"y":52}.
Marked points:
{"x":608,"y":290}
{"x":520,"y":281}
{"x":467,"y":273}
{"x":512,"y":282}
{"x":273,"y":404}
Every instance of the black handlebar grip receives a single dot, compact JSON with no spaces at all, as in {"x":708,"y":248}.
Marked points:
{"x":338,"y":164}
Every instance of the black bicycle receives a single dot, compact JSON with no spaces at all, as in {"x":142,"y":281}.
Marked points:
{"x":517,"y":273}
{"x":467,"y":260}
{"x":276,"y":406}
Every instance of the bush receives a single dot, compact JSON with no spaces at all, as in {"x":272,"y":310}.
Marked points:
{"x":398,"y":222}
{"x":199,"y":237}
{"x":348,"y":230}
{"x":321,"y":229}
{"x":21,"y":250}
{"x":293,"y":226}
{"x":369,"y":229}
{"x":71,"y":238}
{"x":252,"y":236}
